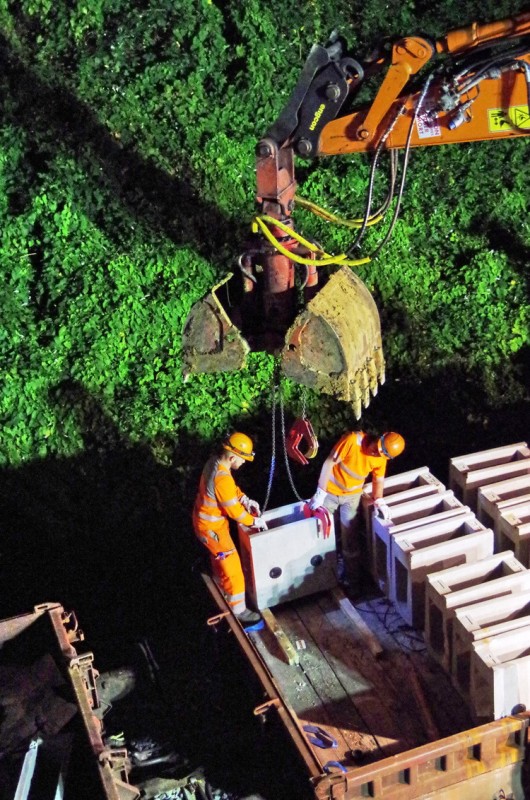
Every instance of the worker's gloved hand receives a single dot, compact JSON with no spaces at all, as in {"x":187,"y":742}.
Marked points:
{"x":259,"y":524}
{"x":317,"y":501}
{"x":381,"y":508}
{"x":252,"y":506}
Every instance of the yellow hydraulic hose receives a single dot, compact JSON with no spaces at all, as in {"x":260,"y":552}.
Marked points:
{"x":260,"y":222}
{"x":327,"y":215}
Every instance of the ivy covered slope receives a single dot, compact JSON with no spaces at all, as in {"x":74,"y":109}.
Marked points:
{"x":127,"y":186}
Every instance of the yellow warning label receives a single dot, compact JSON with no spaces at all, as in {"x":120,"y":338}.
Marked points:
{"x":506,"y":119}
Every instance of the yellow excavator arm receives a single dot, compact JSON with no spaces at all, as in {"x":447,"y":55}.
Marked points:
{"x":295,"y":299}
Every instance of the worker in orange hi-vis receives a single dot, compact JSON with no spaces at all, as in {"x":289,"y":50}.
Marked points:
{"x":218,"y":500}
{"x":355,"y":456}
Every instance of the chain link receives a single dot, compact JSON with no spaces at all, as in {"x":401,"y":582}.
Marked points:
{"x":273,"y":455}
{"x":304,"y":398}
{"x":284,"y":442}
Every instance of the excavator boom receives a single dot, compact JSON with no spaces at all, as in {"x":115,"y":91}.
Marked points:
{"x":296,"y":300}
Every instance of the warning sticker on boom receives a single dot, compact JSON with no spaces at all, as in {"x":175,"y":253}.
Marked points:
{"x":506,"y":119}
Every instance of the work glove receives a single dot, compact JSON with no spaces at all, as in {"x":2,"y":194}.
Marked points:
{"x":252,"y":506}
{"x":259,"y":524}
{"x":381,"y":509}
{"x":317,"y":501}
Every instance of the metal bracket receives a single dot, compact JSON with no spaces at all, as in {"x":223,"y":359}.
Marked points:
{"x":83,"y":664}
{"x":264,"y":707}
{"x":215,"y":620}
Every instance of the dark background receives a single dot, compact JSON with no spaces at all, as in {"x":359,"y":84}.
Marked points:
{"x":107,"y":534}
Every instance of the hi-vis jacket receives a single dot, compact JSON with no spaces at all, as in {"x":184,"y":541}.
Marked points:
{"x":351,"y":466}
{"x":218,"y":498}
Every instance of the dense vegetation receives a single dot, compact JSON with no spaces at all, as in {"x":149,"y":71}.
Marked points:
{"x":126,"y":151}
{"x":127,"y":136}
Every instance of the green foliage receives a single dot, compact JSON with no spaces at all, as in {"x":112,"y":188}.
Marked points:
{"x":126,"y":188}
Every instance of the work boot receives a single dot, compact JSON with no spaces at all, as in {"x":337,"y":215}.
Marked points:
{"x":248,"y":617}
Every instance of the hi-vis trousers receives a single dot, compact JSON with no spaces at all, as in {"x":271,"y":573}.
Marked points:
{"x":225,"y":563}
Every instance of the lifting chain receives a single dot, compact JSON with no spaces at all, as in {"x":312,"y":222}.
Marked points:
{"x":273,"y":455}
{"x":276,"y":389}
{"x":286,"y":457}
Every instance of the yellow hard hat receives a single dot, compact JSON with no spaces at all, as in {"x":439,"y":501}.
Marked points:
{"x":241,"y":445}
{"x":391,"y":444}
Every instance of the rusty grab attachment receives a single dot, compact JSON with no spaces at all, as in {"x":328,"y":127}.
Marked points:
{"x":333,"y":346}
{"x":325,"y":327}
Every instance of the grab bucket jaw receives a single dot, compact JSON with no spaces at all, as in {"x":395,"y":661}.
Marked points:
{"x":210,"y":340}
{"x":334,"y":346}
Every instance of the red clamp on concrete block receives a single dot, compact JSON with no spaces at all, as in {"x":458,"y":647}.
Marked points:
{"x":301,"y":430}
{"x":322,"y":516}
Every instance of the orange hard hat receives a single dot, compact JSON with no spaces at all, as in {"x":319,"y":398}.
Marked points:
{"x":391,"y":444}
{"x":240,"y":445}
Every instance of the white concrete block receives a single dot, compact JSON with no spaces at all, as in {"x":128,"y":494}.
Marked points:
{"x":400,"y":488}
{"x":514,"y":530}
{"x":419,"y":511}
{"x":430,"y":548}
{"x":484,"y":620}
{"x":496,"y":497}
{"x":291,"y":559}
{"x":447,"y":590}
{"x":500,"y":674}
{"x":469,"y":472}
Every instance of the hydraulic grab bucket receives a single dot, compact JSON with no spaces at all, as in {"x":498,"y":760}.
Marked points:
{"x":334,"y":346}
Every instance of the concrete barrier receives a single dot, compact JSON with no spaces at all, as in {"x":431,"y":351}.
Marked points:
{"x":449,"y":589}
{"x":514,"y":530}
{"x":430,"y":548}
{"x":291,"y":559}
{"x":500,"y":675}
{"x":469,"y":472}
{"x":403,"y":516}
{"x":496,"y":497}
{"x":400,"y":488}
{"x":482,"y":621}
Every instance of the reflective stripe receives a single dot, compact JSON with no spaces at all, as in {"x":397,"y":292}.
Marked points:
{"x":236,"y":602}
{"x":228,"y":503}
{"x":346,"y":489}
{"x":209,"y":517}
{"x":351,"y":472}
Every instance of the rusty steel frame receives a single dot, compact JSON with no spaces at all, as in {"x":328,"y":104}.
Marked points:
{"x":287,"y":716}
{"x":488,"y":755}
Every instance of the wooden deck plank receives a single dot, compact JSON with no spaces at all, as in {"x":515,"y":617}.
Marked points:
{"x":300,"y":696}
{"x":286,"y":646}
{"x":360,"y":674}
{"x":390,"y":679}
{"x":371,"y":640}
{"x":334,"y":698}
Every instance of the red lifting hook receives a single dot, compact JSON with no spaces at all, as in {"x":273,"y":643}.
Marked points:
{"x":301,"y":429}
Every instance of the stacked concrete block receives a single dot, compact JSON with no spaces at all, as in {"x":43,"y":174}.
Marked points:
{"x":499,"y":682}
{"x":429,"y":548}
{"x":514,"y":530}
{"x":289,"y":560}
{"x":495,"y":576}
{"x":400,"y":488}
{"x":403,"y":516}
{"x":482,"y":621}
{"x":498,"y":497}
{"x":470,"y":472}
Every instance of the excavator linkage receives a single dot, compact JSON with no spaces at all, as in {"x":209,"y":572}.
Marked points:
{"x":333,"y":346}
{"x":477,"y":88}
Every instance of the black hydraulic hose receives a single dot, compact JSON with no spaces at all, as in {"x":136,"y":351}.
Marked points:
{"x":419,"y":104}
{"x":390,"y":194}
